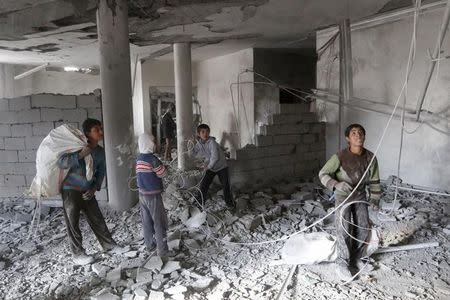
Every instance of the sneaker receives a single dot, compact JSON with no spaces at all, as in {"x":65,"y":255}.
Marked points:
{"x":343,"y":271}
{"x":150,"y":249}
{"x":82,"y":259}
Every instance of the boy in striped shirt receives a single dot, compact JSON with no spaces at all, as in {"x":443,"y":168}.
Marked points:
{"x":149,"y":171}
{"x":341,"y":174}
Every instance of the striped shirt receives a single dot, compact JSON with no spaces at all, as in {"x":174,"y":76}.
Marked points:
{"x":149,"y":171}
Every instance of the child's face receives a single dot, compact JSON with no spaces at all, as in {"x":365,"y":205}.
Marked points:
{"x":356,"y":137}
{"x":203,"y":134}
{"x":96,"y":134}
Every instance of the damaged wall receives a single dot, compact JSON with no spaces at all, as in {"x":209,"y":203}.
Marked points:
{"x":24,"y":122}
{"x":214,"y":79}
{"x":65,"y":83}
{"x":379,"y":62}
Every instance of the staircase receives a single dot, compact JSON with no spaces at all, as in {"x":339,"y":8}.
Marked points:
{"x":291,"y":146}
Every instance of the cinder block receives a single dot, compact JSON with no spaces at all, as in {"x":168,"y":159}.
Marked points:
{"x":246,"y":165}
{"x":33,"y":142}
{"x":7,"y":117}
{"x":15,"y":143}
{"x":285,"y":119}
{"x":272,"y":129}
{"x":2,"y":180}
{"x":53,"y":101}
{"x":42,"y":128}
{"x":9,"y":191}
{"x":21,"y":130}
{"x":74,"y":115}
{"x":17,"y":168}
{"x":5,"y":130}
{"x":8,"y":156}
{"x":264,"y":140}
{"x":95,"y":113}
{"x":51,"y":114}
{"x":241,"y":179}
{"x":15,"y":180}
{"x":29,"y":116}
{"x":309,"y":117}
{"x":29,"y":179}
{"x":277,"y":150}
{"x":287,"y":139}
{"x":309,"y":138}
{"x":286,"y":171}
{"x":88,"y":101}
{"x":280,"y":161}
{"x":294,"y":108}
{"x":249,"y":153}
{"x":318,"y":128}
{"x":73,"y":124}
{"x":22,"y":103}
{"x":318,"y":146}
{"x":27,"y":156}
{"x":4,"y":105}
{"x":2,"y":143}
{"x":287,"y":129}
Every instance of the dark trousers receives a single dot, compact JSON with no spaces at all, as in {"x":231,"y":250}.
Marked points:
{"x":73,"y":205}
{"x":224,"y":180}
{"x":168,"y":149}
{"x":154,"y":222}
{"x":348,"y":248}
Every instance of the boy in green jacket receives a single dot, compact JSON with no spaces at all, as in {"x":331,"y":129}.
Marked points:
{"x":341,"y":174}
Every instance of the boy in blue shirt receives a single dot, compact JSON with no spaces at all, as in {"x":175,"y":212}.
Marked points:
{"x":149,"y":171}
{"x":78,"y":193}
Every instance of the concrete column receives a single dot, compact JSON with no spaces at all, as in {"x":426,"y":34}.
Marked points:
{"x":345,"y":70}
{"x":183,"y":99}
{"x":115,"y":74}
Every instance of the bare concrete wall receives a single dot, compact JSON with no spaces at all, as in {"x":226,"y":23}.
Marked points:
{"x":24,"y":122}
{"x":219,"y":109}
{"x":379,"y":62}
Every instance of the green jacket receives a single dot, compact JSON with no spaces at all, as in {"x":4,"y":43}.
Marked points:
{"x":349,"y":167}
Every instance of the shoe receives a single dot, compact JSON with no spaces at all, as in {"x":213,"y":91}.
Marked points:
{"x":115,"y":249}
{"x":82,"y":259}
{"x":343,"y":271}
{"x":150,"y":249}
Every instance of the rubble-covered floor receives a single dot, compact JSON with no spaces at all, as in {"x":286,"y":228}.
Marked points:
{"x":207,"y":268}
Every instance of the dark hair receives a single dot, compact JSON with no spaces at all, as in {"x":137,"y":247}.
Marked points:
{"x":351,"y":126}
{"x":202,"y":126}
{"x":89,"y":123}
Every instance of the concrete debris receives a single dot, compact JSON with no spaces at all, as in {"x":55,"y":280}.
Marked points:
{"x":202,"y":284}
{"x":155,"y":295}
{"x":174,"y":245}
{"x":106,"y":296}
{"x":132,"y":263}
{"x":131,"y":254}
{"x":178,"y":289}
{"x":251,"y":222}
{"x":140,"y":294}
{"x":155,"y":263}
{"x":114,"y":275}
{"x":389,"y":205}
{"x":100,"y":269}
{"x":171,"y":266}
{"x":144,"y":277}
{"x":302,"y":196}
{"x":196,"y":220}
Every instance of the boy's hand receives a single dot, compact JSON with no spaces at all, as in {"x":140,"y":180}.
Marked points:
{"x":89,"y":194}
{"x":85,"y":152}
{"x":343,"y":187}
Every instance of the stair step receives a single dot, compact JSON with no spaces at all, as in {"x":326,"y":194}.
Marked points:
{"x":294,"y":108}
{"x":305,"y":117}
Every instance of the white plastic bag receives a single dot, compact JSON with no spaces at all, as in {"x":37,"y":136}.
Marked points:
{"x":63,"y":139}
{"x":309,"y":249}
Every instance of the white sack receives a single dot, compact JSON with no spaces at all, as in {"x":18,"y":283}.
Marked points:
{"x":63,"y":139}
{"x":317,"y":247}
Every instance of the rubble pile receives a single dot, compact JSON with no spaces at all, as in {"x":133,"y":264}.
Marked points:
{"x":209,"y":264}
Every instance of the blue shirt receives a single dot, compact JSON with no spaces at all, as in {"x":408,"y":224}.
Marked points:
{"x":76,"y":177}
{"x":149,"y":171}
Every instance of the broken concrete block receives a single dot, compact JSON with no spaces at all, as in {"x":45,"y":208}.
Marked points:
{"x":154,"y":295}
{"x":251,"y":222}
{"x":132,"y":263}
{"x":196,"y":220}
{"x":192,"y":244}
{"x":127,"y":296}
{"x":384,"y":205}
{"x":241,"y":204}
{"x":202,"y":283}
{"x":302,"y":196}
{"x":178,"y":289}
{"x":156,"y":284}
{"x":171,"y":266}
{"x":144,"y":277}
{"x":131,"y":254}
{"x":100,"y":269}
{"x":261,"y":201}
{"x":28,"y":247}
{"x":106,"y":296}
{"x":155,"y":263}
{"x":114,"y":275}
{"x":140,"y":294}
{"x":174,"y":245}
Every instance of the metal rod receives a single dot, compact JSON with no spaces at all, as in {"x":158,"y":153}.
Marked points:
{"x":421,"y":191}
{"x":286,"y":282}
{"x":407,"y":247}
{"x":31,"y":71}
{"x":442,"y":32}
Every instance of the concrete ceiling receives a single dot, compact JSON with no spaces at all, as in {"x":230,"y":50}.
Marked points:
{"x":63,"y":32}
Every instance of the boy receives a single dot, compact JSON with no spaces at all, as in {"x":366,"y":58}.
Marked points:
{"x":209,"y":150}
{"x":168,"y":127}
{"x":78,"y":193}
{"x":341,"y":174}
{"x":149,"y":171}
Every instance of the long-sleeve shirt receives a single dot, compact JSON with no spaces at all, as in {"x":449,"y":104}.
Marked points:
{"x":149,"y":171}
{"x":211,"y":152}
{"x":349,"y":167}
{"x":76,"y":177}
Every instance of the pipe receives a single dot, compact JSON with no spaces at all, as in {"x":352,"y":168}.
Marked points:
{"x":31,"y":71}
{"x":345,"y":71}
{"x":437,"y":48}
{"x":407,"y":247}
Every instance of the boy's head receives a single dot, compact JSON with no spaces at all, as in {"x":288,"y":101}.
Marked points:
{"x":355,"y":135}
{"x":203,"y":132}
{"x":93,"y":130}
{"x":171,"y":107}
{"x":146,"y":143}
